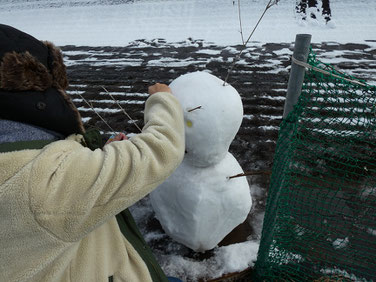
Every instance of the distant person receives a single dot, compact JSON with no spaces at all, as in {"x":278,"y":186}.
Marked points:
{"x":302,"y":5}
{"x":59,"y":189}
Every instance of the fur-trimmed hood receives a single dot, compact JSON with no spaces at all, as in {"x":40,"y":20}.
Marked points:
{"x":33,"y":81}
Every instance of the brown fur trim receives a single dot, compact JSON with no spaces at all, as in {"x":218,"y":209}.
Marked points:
{"x":22,"y":71}
{"x":59,"y":73}
{"x":60,"y":80}
{"x":74,"y":108}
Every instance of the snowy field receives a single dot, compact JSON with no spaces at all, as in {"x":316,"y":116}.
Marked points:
{"x":98,"y":23}
{"x":130,"y":44}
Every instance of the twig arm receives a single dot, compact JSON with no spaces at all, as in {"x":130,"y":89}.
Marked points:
{"x":270,"y":4}
{"x":127,"y":115}
{"x":248,"y":173}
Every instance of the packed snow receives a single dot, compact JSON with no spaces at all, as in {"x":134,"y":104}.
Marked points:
{"x":198,"y":205}
{"x":213,"y":114}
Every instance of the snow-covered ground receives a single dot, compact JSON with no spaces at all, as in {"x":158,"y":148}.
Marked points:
{"x":116,"y":23}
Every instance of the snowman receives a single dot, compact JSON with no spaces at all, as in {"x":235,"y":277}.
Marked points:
{"x":198,"y":205}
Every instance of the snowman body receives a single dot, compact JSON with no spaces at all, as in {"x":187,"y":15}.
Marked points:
{"x":198,"y":205}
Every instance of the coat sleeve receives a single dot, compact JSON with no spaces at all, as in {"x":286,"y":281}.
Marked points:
{"x":73,"y":190}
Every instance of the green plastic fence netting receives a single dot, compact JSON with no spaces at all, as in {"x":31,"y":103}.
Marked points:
{"x":320,"y":219}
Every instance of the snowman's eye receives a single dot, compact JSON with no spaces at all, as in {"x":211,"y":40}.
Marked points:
{"x":189,"y":123}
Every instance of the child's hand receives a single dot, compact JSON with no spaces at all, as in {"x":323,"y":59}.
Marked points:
{"x":158,"y":87}
{"x":119,"y":137}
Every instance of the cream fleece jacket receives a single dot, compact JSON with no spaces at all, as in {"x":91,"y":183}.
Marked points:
{"x":57,"y":204}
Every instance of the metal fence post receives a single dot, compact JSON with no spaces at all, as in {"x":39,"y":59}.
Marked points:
{"x":294,"y":87}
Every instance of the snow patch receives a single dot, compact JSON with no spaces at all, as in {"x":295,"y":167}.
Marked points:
{"x":226,"y":259}
{"x":285,"y":257}
{"x":344,"y":273}
{"x":208,"y":52}
{"x":371,"y":231}
{"x":340,"y":243}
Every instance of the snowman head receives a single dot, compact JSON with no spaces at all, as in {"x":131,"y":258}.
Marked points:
{"x":212,"y":113}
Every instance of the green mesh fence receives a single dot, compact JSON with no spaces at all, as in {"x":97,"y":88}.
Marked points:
{"x":320,"y":220}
